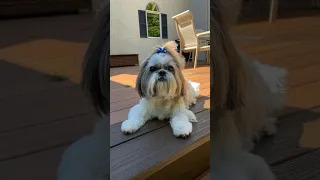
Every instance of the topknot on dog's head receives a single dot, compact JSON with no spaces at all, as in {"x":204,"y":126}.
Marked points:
{"x":171,"y":48}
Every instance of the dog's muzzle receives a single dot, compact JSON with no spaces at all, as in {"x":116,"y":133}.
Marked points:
{"x":162,"y":75}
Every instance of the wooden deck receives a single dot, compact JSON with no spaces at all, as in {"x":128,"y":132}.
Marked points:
{"x":293,"y":44}
{"x":40,"y":117}
{"x":154,"y":142}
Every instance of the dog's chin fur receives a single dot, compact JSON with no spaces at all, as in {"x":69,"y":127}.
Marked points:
{"x":168,"y":98}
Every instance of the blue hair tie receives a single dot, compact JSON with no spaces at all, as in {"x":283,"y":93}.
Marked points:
{"x":161,"y":50}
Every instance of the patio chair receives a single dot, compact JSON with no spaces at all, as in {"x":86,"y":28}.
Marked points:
{"x":190,"y":41}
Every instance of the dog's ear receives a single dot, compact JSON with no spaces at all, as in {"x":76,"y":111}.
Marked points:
{"x":181,"y":90}
{"x":171,"y":46}
{"x":227,"y":67}
{"x":96,"y":63}
{"x":140,"y":84}
{"x":183,"y":87}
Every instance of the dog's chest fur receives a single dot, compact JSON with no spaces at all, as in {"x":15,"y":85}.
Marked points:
{"x":162,"y":108}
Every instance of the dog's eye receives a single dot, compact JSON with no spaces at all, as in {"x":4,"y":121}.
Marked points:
{"x":170,"y":68}
{"x":152,"y":68}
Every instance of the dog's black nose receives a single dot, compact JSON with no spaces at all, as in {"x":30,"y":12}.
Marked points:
{"x":162,"y":73}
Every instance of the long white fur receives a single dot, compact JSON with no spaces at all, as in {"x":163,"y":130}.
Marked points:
{"x":166,"y":104}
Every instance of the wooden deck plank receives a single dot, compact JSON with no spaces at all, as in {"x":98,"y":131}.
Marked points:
{"x":24,"y":81}
{"x":43,"y":107}
{"x":285,"y":143}
{"x":304,"y":75}
{"x":33,"y":139}
{"x":141,"y":153}
{"x":42,"y":165}
{"x":305,"y":167}
{"x":305,"y":96}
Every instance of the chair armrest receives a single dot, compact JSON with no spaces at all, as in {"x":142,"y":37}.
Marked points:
{"x":203,"y":33}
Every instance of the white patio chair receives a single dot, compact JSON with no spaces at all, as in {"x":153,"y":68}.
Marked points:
{"x":190,"y":41}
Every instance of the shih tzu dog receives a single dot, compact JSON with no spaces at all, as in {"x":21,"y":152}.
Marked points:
{"x":164,"y":92}
{"x":247,"y":96}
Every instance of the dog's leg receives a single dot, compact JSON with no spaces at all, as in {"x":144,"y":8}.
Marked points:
{"x":137,"y":117}
{"x":191,"y":116}
{"x":270,"y":127}
{"x":181,"y":125}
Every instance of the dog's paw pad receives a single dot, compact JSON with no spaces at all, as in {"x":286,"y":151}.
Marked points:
{"x":129,"y":127}
{"x":182,"y":129}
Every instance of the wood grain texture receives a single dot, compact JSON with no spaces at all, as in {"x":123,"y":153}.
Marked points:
{"x":184,"y":165}
{"x":304,"y":167}
{"x":131,"y":158}
{"x":124,"y":60}
{"x":41,"y":165}
{"x":37,"y":138}
{"x":46,"y":106}
{"x":284,"y":144}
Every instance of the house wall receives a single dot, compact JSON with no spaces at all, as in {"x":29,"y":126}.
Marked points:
{"x":124,"y":30}
{"x":199,"y":9}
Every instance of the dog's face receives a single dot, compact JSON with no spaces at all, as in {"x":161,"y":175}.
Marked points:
{"x":160,"y":76}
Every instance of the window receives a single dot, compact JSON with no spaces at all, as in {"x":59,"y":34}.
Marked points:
{"x":152,"y":23}
{"x":153,"y":20}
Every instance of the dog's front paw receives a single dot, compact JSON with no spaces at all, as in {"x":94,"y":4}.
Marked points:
{"x":129,"y":126}
{"x":192,"y":117}
{"x":181,"y":128}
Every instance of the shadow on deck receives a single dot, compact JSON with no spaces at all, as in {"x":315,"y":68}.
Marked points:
{"x":43,"y":108}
